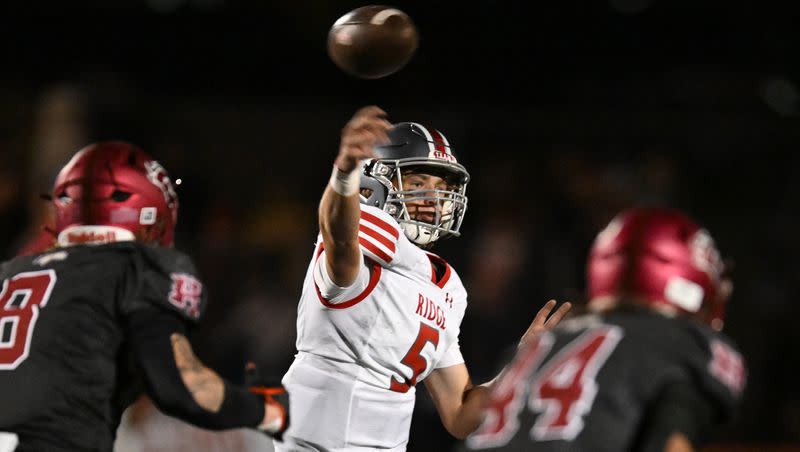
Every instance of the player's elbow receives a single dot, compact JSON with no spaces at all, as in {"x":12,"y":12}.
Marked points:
{"x":182,"y":404}
{"x":456,"y":424}
{"x":344,"y":275}
{"x":459,"y":431}
{"x":176,"y":401}
{"x":341,"y":264}
{"x":171,"y":406}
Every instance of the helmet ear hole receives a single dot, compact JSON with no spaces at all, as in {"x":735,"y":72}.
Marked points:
{"x":684,"y":234}
{"x":120,"y":196}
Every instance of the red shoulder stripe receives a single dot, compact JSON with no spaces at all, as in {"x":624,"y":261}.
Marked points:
{"x":380,"y":223}
{"x":372,"y":248}
{"x":377,"y":236}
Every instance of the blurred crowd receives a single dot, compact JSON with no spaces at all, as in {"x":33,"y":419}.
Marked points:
{"x":545,"y":179}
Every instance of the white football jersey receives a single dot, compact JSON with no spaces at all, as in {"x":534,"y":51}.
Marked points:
{"x":361,"y":352}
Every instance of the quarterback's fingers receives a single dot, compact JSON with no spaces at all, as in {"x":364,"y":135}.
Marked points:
{"x":364,"y":139}
{"x":538,"y":322}
{"x":378,"y":130}
{"x":369,"y":110}
{"x":544,"y":320}
{"x":541,"y":316}
{"x":367,"y":116}
{"x":558,"y":315}
{"x":361,"y":124}
{"x":362,"y":153}
{"x":380,"y":126}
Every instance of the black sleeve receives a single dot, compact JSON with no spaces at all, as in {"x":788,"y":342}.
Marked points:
{"x":149,"y":332}
{"x":679,"y":408}
{"x":166,"y":279}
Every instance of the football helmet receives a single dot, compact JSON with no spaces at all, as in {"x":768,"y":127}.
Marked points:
{"x":413,"y":148}
{"x":659,"y":257}
{"x":112,"y":191}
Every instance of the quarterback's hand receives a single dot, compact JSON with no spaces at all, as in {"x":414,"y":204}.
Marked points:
{"x":367,"y":128}
{"x":542,"y":323}
{"x":276,"y":403}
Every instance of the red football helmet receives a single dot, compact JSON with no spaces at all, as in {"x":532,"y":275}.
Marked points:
{"x":659,"y":257}
{"x":112,"y":190}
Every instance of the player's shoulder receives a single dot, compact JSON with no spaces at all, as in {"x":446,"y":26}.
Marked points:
{"x":709,"y":358}
{"x":107,"y":256}
{"x":166,"y":260}
{"x":716,"y":365}
{"x":379,"y":235}
{"x":676,"y":335}
{"x":722,"y":358}
{"x":167,"y":278}
{"x":377,"y":214}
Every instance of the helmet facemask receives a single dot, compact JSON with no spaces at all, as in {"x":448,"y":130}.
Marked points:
{"x":425,"y":214}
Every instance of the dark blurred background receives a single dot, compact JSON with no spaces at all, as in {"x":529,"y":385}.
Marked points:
{"x":564,"y":112}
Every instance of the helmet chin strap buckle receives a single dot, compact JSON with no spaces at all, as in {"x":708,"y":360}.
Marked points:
{"x":419,"y":234}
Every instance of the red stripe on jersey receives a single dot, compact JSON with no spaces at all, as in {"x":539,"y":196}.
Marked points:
{"x":371,"y":247}
{"x":373,"y":281}
{"x":438,"y":141}
{"x":377,"y":236}
{"x":380,"y":223}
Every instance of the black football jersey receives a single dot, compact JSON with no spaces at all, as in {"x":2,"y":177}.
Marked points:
{"x":66,"y":369}
{"x":587,"y":385}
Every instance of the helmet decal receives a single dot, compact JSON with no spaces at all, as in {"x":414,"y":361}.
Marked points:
{"x":158,"y":176}
{"x":704,"y":254}
{"x":437,"y":143}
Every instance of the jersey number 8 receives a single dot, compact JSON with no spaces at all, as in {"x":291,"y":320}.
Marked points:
{"x":21,"y":299}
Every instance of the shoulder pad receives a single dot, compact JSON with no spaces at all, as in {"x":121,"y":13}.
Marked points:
{"x":378,"y":235}
{"x":720,"y":368}
{"x":169,"y":280}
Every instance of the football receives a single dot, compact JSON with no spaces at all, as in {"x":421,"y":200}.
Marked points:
{"x":372,"y":41}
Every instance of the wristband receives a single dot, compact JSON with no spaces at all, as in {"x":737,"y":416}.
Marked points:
{"x":345,"y":184}
{"x":276,"y":397}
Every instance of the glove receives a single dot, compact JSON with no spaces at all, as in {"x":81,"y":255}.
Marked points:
{"x":276,"y":402}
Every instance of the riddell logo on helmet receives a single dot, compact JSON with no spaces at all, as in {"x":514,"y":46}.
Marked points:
{"x":92,"y":237}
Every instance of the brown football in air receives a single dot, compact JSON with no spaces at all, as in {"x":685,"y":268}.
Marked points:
{"x":372,"y":41}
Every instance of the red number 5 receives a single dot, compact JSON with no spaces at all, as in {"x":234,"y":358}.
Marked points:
{"x":21,"y":299}
{"x":414,"y":360}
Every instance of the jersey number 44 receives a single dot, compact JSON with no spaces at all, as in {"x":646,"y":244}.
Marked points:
{"x":563,"y":391}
